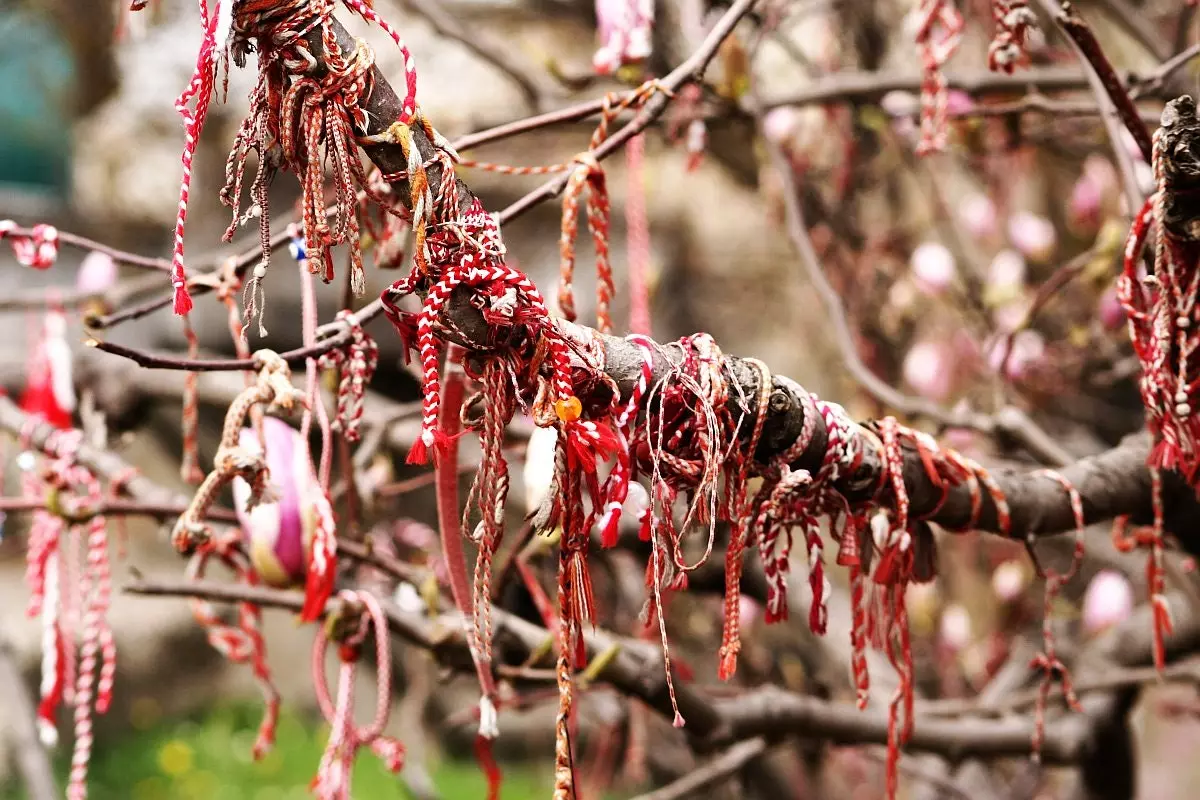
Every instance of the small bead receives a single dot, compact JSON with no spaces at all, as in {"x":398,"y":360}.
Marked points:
{"x":568,"y":410}
{"x":1182,"y":322}
{"x":1183,"y":410}
{"x":260,"y":271}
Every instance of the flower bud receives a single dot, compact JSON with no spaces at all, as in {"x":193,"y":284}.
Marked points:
{"x":933,"y":267}
{"x":1107,"y":602}
{"x":280,"y":533}
{"x":928,"y":369}
{"x":977,"y":213}
{"x":1033,"y":235}
{"x":1009,"y":581}
{"x":97,"y":273}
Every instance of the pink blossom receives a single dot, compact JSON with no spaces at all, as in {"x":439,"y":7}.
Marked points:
{"x":1098,"y":181}
{"x":1009,"y":581}
{"x":779,"y":124}
{"x":1027,"y":349}
{"x":97,"y":273}
{"x":279,"y":533}
{"x":1006,"y":271}
{"x":955,"y":628}
{"x":1107,"y":602}
{"x":958,"y":103}
{"x":928,"y":369}
{"x":749,"y":610}
{"x":625,"y":33}
{"x":933,"y":267}
{"x":1110,"y":310}
{"x":1033,"y":235}
{"x":977,"y":213}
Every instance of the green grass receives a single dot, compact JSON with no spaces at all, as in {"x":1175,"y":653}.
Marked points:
{"x":208,"y":758}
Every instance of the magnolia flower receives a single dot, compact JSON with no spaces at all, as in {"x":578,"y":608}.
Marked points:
{"x":955,"y":628}
{"x":1107,"y":602}
{"x":977,"y":213}
{"x":279,"y":534}
{"x":625,"y":33}
{"x":97,"y":273}
{"x":1033,"y":235}
{"x":1009,"y":580}
{"x":933,"y":267}
{"x":928,"y":369}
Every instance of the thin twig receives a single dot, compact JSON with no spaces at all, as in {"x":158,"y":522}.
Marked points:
{"x":712,"y":773}
{"x":1110,"y":93}
{"x":120,"y":256}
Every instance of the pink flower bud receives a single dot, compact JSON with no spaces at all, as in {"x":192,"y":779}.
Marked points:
{"x":958,"y":103}
{"x":1009,"y":581}
{"x":928,"y":369}
{"x":1098,"y":181}
{"x":749,"y":610}
{"x":279,"y":533}
{"x":1107,"y":602}
{"x":977,"y":213}
{"x":1027,"y":349}
{"x":96,"y":273}
{"x":779,"y":123}
{"x":1110,"y":310}
{"x":955,"y":628}
{"x":933,"y":267}
{"x":1006,"y":271}
{"x":1033,"y":235}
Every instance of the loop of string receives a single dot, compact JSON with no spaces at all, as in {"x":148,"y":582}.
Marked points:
{"x":333,"y":779}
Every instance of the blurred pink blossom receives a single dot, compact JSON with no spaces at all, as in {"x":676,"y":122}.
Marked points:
{"x":1007,"y":270}
{"x":750,"y":610}
{"x":1110,"y":310}
{"x":1033,"y":235}
{"x":1098,"y":182}
{"x":1028,"y":348}
{"x":958,"y":102}
{"x":779,"y":123}
{"x":928,"y":368}
{"x":933,"y":267}
{"x":97,"y":273}
{"x":624,"y":27}
{"x":977,"y":213}
{"x":1009,"y":580}
{"x":955,"y":628}
{"x":1107,"y":602}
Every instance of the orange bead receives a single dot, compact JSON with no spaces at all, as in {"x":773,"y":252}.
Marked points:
{"x":568,"y":410}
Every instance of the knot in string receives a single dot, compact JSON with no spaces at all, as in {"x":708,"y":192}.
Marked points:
{"x":356,"y":363}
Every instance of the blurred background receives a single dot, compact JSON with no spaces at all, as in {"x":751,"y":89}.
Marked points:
{"x":941,"y":263}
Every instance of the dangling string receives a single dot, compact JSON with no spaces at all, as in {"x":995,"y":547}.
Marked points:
{"x":1047,"y":661}
{"x":333,"y":779}
{"x":939,"y":32}
{"x":189,"y":469}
